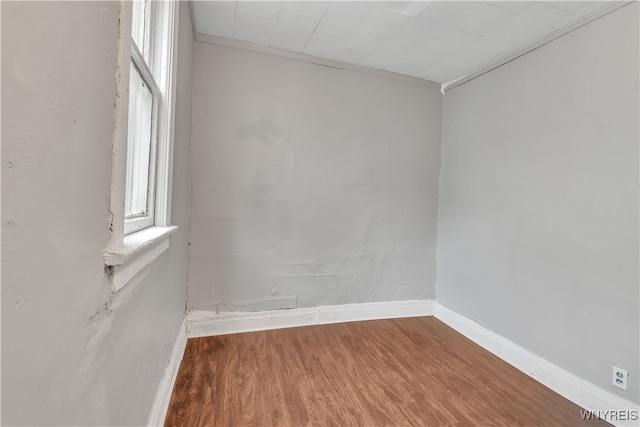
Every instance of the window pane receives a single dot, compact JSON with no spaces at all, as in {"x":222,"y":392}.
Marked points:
{"x":138,"y":146}
{"x":140,"y":25}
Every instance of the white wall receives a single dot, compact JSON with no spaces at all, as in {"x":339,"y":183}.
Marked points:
{"x":538,"y":220}
{"x":71,"y":355}
{"x":312,"y":185}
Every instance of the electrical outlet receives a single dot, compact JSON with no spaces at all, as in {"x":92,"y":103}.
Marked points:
{"x":620,"y":378}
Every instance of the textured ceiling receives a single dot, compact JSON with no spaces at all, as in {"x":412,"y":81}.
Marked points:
{"x":439,"y":41}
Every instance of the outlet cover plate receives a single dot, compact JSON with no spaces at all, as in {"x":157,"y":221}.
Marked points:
{"x":620,"y":377}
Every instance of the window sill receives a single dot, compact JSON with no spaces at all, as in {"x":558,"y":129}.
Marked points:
{"x":137,"y":251}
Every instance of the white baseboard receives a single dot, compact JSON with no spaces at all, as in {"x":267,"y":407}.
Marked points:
{"x":161,"y":403}
{"x":208,"y":323}
{"x":570,"y":386}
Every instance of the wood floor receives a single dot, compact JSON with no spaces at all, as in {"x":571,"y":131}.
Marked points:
{"x":396,"y":372}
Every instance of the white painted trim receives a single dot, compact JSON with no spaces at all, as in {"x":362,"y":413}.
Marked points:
{"x":163,"y":396}
{"x":570,"y":386}
{"x":136,"y":244}
{"x":612,"y":6}
{"x":166,"y":118}
{"x":120,"y":121}
{"x":374,"y":310}
{"x":123,"y":274}
{"x":193,"y":20}
{"x":209,"y":323}
{"x":302,"y":57}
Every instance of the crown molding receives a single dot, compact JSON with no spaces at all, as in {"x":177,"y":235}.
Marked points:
{"x":611,"y":7}
{"x":302,"y":57}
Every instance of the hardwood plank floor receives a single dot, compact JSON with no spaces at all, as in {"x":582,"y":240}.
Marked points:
{"x":395,"y":372}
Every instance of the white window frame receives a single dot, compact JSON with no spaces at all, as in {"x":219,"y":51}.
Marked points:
{"x":134,"y":244}
{"x":137,"y":223}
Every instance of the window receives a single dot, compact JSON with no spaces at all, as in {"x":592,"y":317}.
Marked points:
{"x":140,"y":193}
{"x":147,"y":101}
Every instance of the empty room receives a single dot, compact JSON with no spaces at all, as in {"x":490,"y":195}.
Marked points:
{"x":320,"y":213}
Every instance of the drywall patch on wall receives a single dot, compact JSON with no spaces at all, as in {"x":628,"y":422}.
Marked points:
{"x":272,"y":303}
{"x":310,"y":182}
